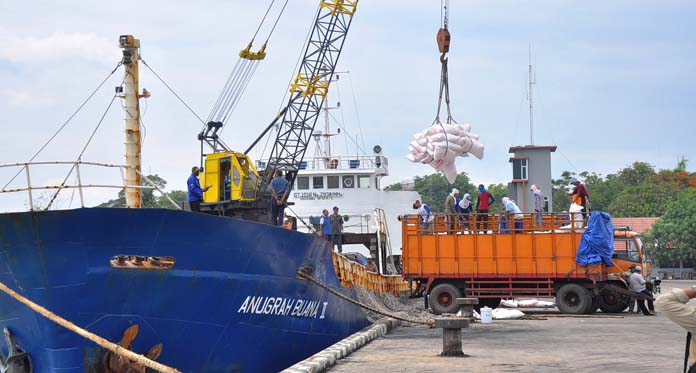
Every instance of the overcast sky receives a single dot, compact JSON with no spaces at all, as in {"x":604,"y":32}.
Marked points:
{"x":616,"y":80}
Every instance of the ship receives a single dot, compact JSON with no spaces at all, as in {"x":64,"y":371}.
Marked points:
{"x":220,"y":290}
{"x":352,"y":182}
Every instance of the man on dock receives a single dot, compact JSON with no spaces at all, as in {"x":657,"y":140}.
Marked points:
{"x":279,"y":188}
{"x":195,"y":192}
{"x":637,"y":284}
{"x":336,"y":221}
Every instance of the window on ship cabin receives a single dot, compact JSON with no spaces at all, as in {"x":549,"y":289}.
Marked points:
{"x":302,"y":182}
{"x":364,"y":181}
{"x":318,"y":182}
{"x":332,"y":182}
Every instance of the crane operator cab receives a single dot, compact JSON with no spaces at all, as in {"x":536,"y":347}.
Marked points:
{"x":232,"y":177}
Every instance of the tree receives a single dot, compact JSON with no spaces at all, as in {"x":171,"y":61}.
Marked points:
{"x":150,"y":198}
{"x":434,"y":188}
{"x":673,"y":237}
{"x":498,"y":191}
{"x":645,"y":199}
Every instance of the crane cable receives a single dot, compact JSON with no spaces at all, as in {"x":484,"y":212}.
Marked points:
{"x":443,"y":43}
{"x":242,"y":73}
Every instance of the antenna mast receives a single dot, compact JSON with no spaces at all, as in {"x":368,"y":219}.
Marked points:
{"x":532,"y":81}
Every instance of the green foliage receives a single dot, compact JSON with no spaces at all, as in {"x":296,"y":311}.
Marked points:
{"x":498,"y":191}
{"x":434,"y":188}
{"x":150,"y":197}
{"x":673,"y":237}
{"x":645,"y":199}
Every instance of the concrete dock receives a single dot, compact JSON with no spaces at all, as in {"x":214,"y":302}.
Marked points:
{"x":634,"y":343}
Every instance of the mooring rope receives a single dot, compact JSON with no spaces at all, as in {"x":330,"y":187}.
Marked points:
{"x":311,"y":279}
{"x":113,"y":347}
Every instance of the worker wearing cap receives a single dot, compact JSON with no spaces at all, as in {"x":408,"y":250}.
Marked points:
{"x":195,"y":192}
{"x":674,"y":306}
{"x":637,"y":284}
{"x":632,"y":300}
{"x":336,"y":229}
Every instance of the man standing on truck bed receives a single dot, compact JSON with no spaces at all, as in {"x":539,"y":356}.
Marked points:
{"x":580,"y":193}
{"x":450,"y":211}
{"x":485,"y":199}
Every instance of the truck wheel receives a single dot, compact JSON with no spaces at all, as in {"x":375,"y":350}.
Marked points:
{"x":443,"y":299}
{"x":573,"y":299}
{"x":612,"y":302}
{"x":594,"y":305}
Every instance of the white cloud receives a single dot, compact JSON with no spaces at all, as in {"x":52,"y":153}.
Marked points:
{"x":56,"y":46}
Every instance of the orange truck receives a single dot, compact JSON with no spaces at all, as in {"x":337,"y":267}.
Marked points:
{"x":449,"y":260}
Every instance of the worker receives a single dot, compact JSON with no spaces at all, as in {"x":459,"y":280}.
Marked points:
{"x":336,"y":229}
{"x":632,"y":300}
{"x":538,"y":204}
{"x":450,"y":211}
{"x":279,"y":188}
{"x":580,"y":196}
{"x":425,"y":215}
{"x":674,"y":306}
{"x":483,"y":203}
{"x":371,"y":266}
{"x":195,"y":192}
{"x":514,"y":211}
{"x":465,"y":211}
{"x":325,"y":224}
{"x":637,"y":285}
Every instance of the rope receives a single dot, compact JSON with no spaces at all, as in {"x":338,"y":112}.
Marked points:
{"x":311,"y":279}
{"x":66,"y":122}
{"x":276,"y":21}
{"x":262,"y":19}
{"x":84,"y":148}
{"x":172,"y":91}
{"x":130,"y":355}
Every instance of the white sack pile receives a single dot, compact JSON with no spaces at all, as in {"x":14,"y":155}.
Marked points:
{"x":440,"y":144}
{"x":526,"y":303}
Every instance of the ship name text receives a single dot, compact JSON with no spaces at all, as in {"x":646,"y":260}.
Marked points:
{"x":281,"y":306}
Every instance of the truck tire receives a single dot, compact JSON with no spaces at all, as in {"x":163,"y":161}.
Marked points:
{"x":443,"y":298}
{"x":612,"y":302}
{"x":594,"y":305}
{"x":574,"y":299}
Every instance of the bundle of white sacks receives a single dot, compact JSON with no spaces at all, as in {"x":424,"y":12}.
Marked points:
{"x":440,"y":144}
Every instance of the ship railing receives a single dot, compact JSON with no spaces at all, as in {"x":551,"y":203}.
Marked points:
{"x":351,"y":273}
{"x":79,"y":184}
{"x":349,"y":163}
{"x":495,"y":223}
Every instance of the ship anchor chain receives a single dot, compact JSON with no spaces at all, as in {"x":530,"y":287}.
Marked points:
{"x":305,"y":273}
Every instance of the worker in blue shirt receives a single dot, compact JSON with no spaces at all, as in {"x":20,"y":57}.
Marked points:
{"x":280,"y":189}
{"x":195,"y":192}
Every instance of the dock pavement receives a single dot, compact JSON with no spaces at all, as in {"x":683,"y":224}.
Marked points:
{"x":634,"y":343}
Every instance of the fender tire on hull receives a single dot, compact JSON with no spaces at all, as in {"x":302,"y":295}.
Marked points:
{"x":574,"y":299}
{"x":443,"y":298}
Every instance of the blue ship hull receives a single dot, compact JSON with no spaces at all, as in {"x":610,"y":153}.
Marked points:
{"x":231,"y":302}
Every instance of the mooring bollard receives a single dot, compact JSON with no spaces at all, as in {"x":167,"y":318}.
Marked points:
{"x":466,"y":305}
{"x":452,"y":335}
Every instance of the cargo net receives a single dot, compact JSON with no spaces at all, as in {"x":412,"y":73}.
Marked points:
{"x":402,"y":307}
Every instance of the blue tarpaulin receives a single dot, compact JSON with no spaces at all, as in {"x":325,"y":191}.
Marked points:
{"x":597,"y":243}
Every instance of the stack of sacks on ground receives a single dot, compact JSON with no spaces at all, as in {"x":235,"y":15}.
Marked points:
{"x":440,"y":144}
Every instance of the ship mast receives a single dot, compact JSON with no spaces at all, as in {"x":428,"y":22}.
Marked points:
{"x":131,"y":57}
